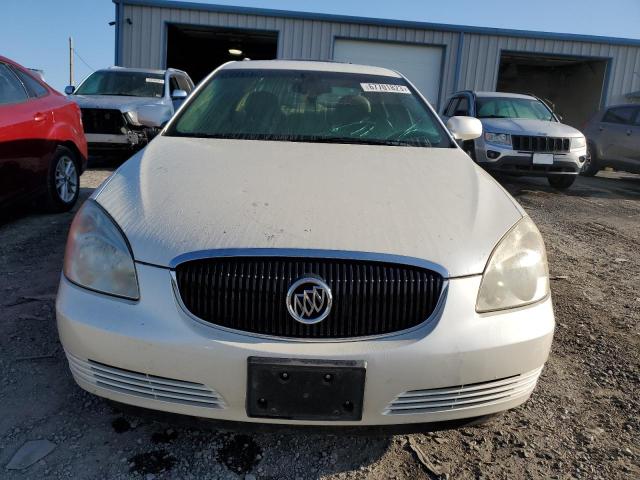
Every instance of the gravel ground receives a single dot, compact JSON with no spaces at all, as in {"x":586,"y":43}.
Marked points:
{"x":581,"y":422}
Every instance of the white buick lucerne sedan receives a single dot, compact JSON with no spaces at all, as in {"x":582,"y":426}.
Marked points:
{"x":306,"y":243}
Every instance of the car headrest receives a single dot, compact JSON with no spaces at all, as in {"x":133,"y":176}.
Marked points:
{"x":352,"y":109}
{"x":261,"y":105}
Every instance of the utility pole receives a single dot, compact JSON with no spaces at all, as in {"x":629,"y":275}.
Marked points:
{"x":71,"y":61}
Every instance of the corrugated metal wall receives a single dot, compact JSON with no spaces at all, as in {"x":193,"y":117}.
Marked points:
{"x":481,"y":55}
{"x":144,"y":45}
{"x":144,"y":41}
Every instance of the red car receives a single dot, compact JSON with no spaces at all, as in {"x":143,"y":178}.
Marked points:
{"x":43,"y":150}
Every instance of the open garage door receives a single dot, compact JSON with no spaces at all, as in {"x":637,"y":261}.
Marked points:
{"x":419,"y":63}
{"x":573,"y":85}
{"x":199,"y":49}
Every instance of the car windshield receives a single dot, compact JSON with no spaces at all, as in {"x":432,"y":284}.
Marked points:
{"x":122,"y":83}
{"x":505,"y":107}
{"x":310,"y":106}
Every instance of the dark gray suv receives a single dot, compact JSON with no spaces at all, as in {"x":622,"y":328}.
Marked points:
{"x":613,"y":139}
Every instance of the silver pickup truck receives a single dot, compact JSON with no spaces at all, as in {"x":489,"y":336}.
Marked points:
{"x":124,"y":108}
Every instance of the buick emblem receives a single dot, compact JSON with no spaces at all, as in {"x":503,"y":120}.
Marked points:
{"x":309,"y":300}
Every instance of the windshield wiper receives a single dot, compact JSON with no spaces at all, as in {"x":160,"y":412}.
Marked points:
{"x":362,"y":141}
{"x":494,"y":116}
{"x":109,"y":94}
{"x":288,"y":138}
{"x":231,"y":136}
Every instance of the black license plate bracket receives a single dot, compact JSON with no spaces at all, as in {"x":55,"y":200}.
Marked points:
{"x":301,"y":389}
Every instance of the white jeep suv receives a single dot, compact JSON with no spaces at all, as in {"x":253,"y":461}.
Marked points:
{"x":522,"y":136}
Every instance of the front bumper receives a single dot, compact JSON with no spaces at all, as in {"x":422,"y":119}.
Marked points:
{"x":103,"y":144}
{"x":152,"y":354}
{"x":513,"y":162}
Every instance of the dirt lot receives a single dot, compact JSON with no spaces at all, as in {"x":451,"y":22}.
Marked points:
{"x":582,"y":421}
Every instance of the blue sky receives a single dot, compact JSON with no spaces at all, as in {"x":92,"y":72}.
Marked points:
{"x":34,"y":32}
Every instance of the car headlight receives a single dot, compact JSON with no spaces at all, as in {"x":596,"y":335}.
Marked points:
{"x":578,"y":142}
{"x":132,"y":117}
{"x":98,"y":256}
{"x":516,"y":273}
{"x":498,"y":138}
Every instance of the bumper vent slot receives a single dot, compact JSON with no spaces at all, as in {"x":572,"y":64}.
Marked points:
{"x":249,"y":294}
{"x":527,"y":143}
{"x":144,"y":385}
{"x":463,"y":397}
{"x":102,"y":120}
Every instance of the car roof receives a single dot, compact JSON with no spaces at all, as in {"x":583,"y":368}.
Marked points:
{"x":312,"y":66}
{"x":35,"y":73}
{"x":13,"y":62}
{"x":617,"y":105}
{"x":141,"y":70}
{"x":502,"y":95}
{"x":127,"y":69}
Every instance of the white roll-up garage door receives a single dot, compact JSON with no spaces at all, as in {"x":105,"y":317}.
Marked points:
{"x":420,"y":64}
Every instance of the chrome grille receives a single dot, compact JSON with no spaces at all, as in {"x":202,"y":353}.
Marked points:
{"x":463,"y":397}
{"x":528,"y":143}
{"x":144,"y":385}
{"x":102,"y":120}
{"x":249,"y":294}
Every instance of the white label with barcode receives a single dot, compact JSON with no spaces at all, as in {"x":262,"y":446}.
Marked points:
{"x":384,"y":87}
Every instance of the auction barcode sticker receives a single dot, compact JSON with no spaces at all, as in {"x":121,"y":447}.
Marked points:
{"x":384,"y":87}
{"x":154,"y":80}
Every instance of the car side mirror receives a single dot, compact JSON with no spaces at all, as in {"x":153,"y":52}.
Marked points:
{"x":69,"y":89}
{"x":179,"y":95}
{"x":151,"y":116}
{"x":464,"y":128}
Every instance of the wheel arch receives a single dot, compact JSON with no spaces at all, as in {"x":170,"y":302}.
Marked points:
{"x":594,"y":147}
{"x":80,"y":158}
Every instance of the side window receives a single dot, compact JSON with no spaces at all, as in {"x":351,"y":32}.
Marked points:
{"x":173,"y":84}
{"x":623,"y":115}
{"x":637,"y":122}
{"x":451,"y":108}
{"x":33,"y":86}
{"x":183,"y":83}
{"x":11,"y":90}
{"x":463,"y":107}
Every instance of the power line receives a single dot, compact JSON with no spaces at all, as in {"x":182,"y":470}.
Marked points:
{"x":83,"y":60}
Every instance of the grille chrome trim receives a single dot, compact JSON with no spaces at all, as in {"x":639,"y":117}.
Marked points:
{"x":317,"y":254}
{"x":463,"y":397}
{"x":309,"y":253}
{"x":144,"y":385}
{"x":540,"y":143}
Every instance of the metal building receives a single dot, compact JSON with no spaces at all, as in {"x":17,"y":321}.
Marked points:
{"x":576,"y":73}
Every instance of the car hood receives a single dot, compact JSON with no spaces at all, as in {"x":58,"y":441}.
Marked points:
{"x":116,"y":102}
{"x":525,"y":126}
{"x":182,"y":195}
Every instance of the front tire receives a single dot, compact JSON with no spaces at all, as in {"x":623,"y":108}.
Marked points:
{"x":561,"y":182}
{"x":591,"y":167}
{"x":63,"y":182}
